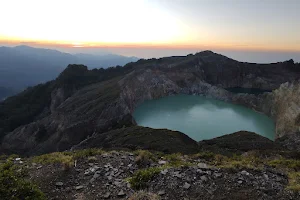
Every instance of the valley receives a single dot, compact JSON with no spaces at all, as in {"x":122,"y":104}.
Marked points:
{"x":82,"y":124}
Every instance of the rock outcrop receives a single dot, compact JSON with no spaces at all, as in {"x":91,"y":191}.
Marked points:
{"x":285,"y":108}
{"x":290,"y":142}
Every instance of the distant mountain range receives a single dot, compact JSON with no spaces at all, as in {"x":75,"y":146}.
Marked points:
{"x":24,"y":66}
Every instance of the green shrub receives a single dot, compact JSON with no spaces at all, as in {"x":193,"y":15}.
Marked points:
{"x":175,"y":160}
{"x":144,"y":158}
{"x":142,"y":177}
{"x":14,"y":187}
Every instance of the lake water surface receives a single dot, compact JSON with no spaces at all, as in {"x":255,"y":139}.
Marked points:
{"x":201,"y":118}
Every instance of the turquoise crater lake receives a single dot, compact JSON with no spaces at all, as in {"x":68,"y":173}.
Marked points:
{"x":202,"y":118}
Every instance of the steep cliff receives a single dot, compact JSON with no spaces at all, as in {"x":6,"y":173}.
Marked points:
{"x":285,"y":108}
{"x":85,"y":103}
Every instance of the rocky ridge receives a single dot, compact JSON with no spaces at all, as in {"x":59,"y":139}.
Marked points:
{"x":80,"y":111}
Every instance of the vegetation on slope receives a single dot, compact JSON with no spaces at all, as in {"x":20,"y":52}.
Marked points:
{"x":13,"y":186}
{"x":137,"y":137}
{"x":26,"y":106}
{"x":285,"y":161}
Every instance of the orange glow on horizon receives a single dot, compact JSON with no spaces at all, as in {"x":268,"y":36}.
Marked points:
{"x":220,"y":46}
{"x":151,"y":24}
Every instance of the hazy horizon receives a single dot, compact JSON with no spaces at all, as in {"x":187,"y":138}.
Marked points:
{"x":147,"y":52}
{"x":157,"y":28}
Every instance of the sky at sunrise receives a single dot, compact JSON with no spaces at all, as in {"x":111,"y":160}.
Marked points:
{"x":146,"y":27}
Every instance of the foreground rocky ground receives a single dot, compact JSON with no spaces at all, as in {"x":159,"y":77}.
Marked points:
{"x":97,"y":174}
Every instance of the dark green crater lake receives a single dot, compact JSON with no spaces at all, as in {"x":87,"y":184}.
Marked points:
{"x":202,"y":118}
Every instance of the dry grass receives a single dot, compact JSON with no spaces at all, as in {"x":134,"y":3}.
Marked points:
{"x":294,"y":181}
{"x":66,"y":159}
{"x":55,"y":158}
{"x":144,"y":158}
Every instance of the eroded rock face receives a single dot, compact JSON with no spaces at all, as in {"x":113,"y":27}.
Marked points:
{"x":101,"y":107}
{"x":290,"y":141}
{"x":285,"y":108}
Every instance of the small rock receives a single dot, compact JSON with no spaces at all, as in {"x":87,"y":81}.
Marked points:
{"x":130,"y":165}
{"x":121,"y":193}
{"x":104,"y":155}
{"x":106,"y":195}
{"x":118,"y":183}
{"x":93,"y":169}
{"x":164,"y":172}
{"x":240,"y":182}
{"x":203,"y":178}
{"x":39,"y":167}
{"x":162,"y":162}
{"x":161,"y":192}
{"x":96,"y":175}
{"x":109,"y":178}
{"x":79,"y":187}
{"x":208,"y":173}
{"x":266,"y":176}
{"x":92,"y":180}
{"x":202,"y":166}
{"x":217,"y":175}
{"x":59,"y":184}
{"x":245,"y":173}
{"x":186,"y":185}
{"x":177,"y":174}
{"x":18,"y":159}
